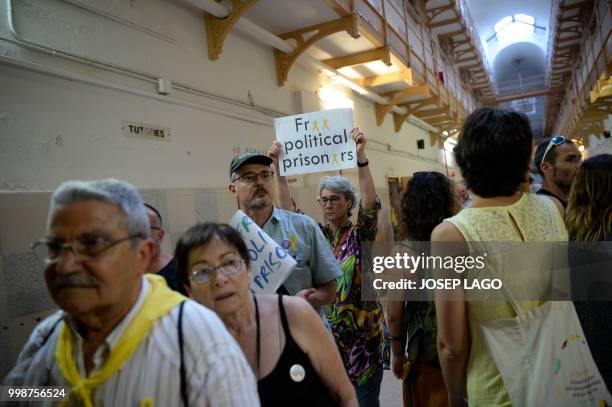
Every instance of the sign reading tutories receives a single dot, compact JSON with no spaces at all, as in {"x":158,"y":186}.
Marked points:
{"x":270,"y":263}
{"x":315,"y":142}
{"x":143,"y":130}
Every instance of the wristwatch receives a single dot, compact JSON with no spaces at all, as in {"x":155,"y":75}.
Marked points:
{"x":365,"y":164}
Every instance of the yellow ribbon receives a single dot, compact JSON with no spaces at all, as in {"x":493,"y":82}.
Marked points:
{"x":160,"y":301}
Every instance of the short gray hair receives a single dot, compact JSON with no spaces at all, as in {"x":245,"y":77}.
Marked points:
{"x":113,"y":191}
{"x":340,"y":185}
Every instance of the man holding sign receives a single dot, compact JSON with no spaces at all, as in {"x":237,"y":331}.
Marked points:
{"x":314,"y":277}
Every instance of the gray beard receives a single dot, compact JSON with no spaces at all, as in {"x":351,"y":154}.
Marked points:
{"x":258,"y":204}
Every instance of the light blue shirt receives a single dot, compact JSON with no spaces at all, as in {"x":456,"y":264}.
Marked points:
{"x":301,"y":236}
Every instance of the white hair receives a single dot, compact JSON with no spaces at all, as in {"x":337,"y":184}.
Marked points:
{"x":113,"y":191}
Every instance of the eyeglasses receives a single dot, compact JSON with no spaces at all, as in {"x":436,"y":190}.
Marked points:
{"x":155,"y":227}
{"x":86,"y":247}
{"x":333,"y":200}
{"x":251,"y":178}
{"x":555,"y":141}
{"x":205,"y":275}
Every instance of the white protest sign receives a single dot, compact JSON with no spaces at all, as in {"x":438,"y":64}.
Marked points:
{"x":315,"y":142}
{"x":270,"y":263}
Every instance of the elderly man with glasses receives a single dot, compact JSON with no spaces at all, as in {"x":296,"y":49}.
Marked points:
{"x":557,"y":160}
{"x":123,"y":337}
{"x":314,"y":277}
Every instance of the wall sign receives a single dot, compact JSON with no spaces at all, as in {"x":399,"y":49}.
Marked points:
{"x":144,"y":130}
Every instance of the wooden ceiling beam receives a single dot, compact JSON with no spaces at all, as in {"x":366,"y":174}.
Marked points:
{"x":442,"y":23}
{"x":405,"y":75}
{"x":567,"y":19}
{"x":411,"y":108}
{"x":576,"y":5}
{"x":452,"y":33}
{"x":378,"y":54}
{"x":569,"y":38}
{"x":306,"y":37}
{"x":432,"y":112}
{"x":435,"y":12}
{"x":382,"y":110}
{"x":459,"y":43}
{"x":439,"y":122}
{"x":568,"y":46}
{"x":470,"y":66}
{"x":422,"y":103}
{"x":217,"y":29}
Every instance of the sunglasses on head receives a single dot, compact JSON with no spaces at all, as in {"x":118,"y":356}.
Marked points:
{"x":555,"y":141}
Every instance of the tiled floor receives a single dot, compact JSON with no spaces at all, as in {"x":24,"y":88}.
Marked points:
{"x":390,"y":391}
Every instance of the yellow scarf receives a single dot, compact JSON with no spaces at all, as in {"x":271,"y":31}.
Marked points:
{"x":160,"y":301}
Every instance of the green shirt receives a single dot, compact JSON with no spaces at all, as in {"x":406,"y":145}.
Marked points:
{"x":301,"y":236}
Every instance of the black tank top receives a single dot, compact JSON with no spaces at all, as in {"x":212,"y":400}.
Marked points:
{"x":279,"y":388}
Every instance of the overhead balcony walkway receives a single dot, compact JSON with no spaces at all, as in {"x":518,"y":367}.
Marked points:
{"x":451,"y":22}
{"x":385,"y":48}
{"x":568,"y":21}
{"x":588,"y":96}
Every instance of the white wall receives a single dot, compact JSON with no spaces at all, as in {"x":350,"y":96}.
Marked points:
{"x":54,"y":129}
{"x":55,"y":124}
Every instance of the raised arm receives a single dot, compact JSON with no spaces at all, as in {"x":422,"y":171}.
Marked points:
{"x":366,"y":182}
{"x":282,"y":187}
{"x":312,"y":337}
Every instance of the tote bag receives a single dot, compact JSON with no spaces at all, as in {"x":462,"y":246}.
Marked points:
{"x":543,"y":357}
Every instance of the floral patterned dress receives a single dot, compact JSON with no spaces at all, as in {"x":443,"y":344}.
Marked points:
{"x":358,"y":326}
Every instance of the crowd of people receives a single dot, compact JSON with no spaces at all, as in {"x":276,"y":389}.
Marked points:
{"x":139,"y":326}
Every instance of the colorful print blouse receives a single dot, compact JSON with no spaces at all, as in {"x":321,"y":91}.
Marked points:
{"x":358,"y":326}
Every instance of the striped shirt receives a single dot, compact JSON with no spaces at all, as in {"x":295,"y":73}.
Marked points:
{"x":216,"y":370}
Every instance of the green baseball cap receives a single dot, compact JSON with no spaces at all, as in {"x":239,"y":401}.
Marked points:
{"x":248,"y":157}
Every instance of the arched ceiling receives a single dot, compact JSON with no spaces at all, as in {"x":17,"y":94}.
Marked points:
{"x":486,"y":13}
{"x":522,"y":56}
{"x":519,"y":66}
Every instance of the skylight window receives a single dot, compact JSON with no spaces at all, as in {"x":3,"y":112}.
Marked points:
{"x":503,"y":23}
{"x":513,"y":28}
{"x":524,"y":18}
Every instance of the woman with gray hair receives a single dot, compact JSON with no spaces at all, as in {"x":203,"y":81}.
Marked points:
{"x":358,"y":326}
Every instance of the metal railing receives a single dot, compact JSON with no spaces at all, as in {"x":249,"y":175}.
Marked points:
{"x":406,"y":33}
{"x":594,"y":59}
{"x":552,"y":30}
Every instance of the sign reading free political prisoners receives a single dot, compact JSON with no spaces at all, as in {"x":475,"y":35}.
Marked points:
{"x":270,"y":263}
{"x":315,"y":142}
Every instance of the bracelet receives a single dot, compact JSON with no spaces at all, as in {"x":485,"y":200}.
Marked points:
{"x":361,"y":165}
